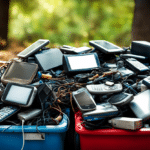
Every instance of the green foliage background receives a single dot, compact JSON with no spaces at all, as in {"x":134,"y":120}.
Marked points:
{"x":71,"y":22}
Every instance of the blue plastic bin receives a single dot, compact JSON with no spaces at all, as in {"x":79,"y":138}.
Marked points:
{"x":11,"y":136}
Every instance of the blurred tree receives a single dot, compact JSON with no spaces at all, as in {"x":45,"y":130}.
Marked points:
{"x":25,"y":6}
{"x":4,"y":12}
{"x":141,"y":21}
{"x":71,"y":22}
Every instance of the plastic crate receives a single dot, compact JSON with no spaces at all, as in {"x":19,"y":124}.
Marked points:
{"x":54,"y":136}
{"x":114,"y":139}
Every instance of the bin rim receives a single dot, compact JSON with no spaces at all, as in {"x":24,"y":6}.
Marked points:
{"x":61,"y":127}
{"x":81,"y":130}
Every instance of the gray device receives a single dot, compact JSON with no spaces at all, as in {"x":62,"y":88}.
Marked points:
{"x":104,"y":88}
{"x":84,"y":100}
{"x":29,"y":114}
{"x":35,"y":47}
{"x":126,"y":123}
{"x":102,"y":111}
{"x":106,"y":47}
{"x":133,"y":56}
{"x":20,"y":95}
{"x":136,"y":65}
{"x":120,"y":99}
{"x":140,"y":105}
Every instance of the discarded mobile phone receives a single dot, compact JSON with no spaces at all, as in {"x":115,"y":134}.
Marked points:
{"x":133,"y":56}
{"x":106,"y":47}
{"x":80,"y":62}
{"x":102,"y":111}
{"x":120,"y":99}
{"x":35,"y":47}
{"x":20,"y":95}
{"x":104,"y":88}
{"x":84,"y":100}
{"x":141,"y":48}
{"x":136,"y":65}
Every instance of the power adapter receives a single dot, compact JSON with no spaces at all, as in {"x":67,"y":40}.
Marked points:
{"x":126,"y":123}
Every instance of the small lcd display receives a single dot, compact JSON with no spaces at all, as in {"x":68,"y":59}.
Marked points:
{"x":18,"y":94}
{"x":82,"y":62}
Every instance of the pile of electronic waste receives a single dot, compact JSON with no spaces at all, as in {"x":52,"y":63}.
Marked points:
{"x":109,"y":85}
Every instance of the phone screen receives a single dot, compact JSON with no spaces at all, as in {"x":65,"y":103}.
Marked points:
{"x":83,"y":98}
{"x":82,"y":62}
{"x":18,"y":94}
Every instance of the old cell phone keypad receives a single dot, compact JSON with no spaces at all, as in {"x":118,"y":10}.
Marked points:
{"x":111,"y":87}
{"x":7,"y":111}
{"x":104,"y":87}
{"x":96,"y":87}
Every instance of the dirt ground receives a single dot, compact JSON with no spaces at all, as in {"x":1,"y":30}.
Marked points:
{"x":11,"y":52}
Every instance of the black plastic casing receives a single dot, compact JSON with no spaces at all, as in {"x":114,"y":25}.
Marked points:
{"x":141,"y":48}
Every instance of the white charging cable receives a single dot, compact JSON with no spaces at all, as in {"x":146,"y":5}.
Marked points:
{"x":23,"y":121}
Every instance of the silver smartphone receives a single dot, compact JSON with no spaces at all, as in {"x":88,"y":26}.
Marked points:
{"x":105,"y":46}
{"x":84,"y":100}
{"x":35,"y":47}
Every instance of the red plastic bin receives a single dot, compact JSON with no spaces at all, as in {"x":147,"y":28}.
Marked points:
{"x":111,"y":139}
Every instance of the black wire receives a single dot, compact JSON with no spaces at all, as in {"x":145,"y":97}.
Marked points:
{"x":96,"y":124}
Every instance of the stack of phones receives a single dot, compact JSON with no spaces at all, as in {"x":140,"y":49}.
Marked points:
{"x":90,"y":110}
